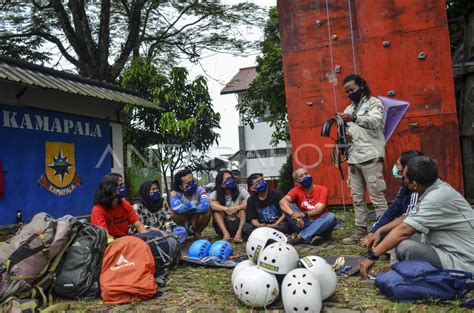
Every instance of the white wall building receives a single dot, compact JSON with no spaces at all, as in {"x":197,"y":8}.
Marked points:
{"x":256,"y":154}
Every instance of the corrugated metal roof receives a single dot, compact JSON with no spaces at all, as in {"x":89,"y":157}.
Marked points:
{"x":35,"y":75}
{"x":241,"y":81}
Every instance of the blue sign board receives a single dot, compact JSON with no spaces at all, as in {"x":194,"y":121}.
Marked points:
{"x":52,"y":162}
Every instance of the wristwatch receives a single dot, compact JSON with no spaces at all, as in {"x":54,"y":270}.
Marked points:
{"x":354,"y":117}
{"x":371,"y":255}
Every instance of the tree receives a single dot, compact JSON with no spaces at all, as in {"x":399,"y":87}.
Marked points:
{"x":455,"y":11}
{"x":183,"y":131}
{"x":266,"y":95}
{"x":285,"y":179}
{"x":99,"y":37}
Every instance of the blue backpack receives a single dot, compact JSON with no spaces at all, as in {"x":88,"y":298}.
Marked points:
{"x":415,"y":280}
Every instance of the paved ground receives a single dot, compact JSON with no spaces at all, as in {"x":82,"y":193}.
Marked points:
{"x":200,"y":289}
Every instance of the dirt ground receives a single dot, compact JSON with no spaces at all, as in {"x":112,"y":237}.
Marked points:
{"x":201,"y":289}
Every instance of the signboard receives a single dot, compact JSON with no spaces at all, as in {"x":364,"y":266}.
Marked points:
{"x":51,"y":162}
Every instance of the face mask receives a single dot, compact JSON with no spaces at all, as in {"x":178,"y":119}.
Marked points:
{"x":395,"y":173}
{"x":154,"y":196}
{"x":122,"y":191}
{"x":230,"y":183}
{"x":306,"y":181}
{"x":261,"y":186}
{"x":191,"y":187}
{"x":356,"y":96}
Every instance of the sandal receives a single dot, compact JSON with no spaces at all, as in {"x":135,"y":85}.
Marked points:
{"x":292,"y":239}
{"x":238,"y":240}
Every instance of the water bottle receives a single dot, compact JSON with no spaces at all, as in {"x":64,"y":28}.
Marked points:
{"x":18,"y":217}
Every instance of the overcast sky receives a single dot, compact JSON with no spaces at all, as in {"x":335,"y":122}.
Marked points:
{"x":222,"y":67}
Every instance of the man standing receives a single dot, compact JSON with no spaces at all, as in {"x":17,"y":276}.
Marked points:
{"x":306,"y":209}
{"x":442,"y":215}
{"x":364,"y":117}
{"x":263,"y":207}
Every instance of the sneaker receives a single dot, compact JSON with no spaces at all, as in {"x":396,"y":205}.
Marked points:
{"x":358,"y":233}
{"x":316,"y":240}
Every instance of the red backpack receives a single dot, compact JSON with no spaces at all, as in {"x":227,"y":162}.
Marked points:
{"x":127,"y":271}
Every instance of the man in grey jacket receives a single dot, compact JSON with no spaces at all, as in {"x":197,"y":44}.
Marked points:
{"x":364,"y":117}
{"x":442,"y":215}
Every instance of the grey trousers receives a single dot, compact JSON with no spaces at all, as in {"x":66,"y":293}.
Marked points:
{"x":414,"y":250}
{"x":368,"y":175}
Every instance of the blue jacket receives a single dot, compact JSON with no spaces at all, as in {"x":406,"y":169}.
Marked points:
{"x":405,"y":201}
{"x":197,"y":203}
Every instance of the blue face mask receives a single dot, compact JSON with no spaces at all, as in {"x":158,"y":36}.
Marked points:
{"x":306,"y":181}
{"x":395,"y":173}
{"x":191,"y":187}
{"x":261,"y":186}
{"x":122,"y":191}
{"x":230,"y":183}
{"x":154,"y":196}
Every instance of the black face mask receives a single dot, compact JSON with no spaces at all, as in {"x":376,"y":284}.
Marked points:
{"x":356,"y":96}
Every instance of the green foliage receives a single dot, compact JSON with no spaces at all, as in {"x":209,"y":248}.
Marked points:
{"x":184,"y":129}
{"x":99,"y":37}
{"x":266,"y":95}
{"x":285,"y":179}
{"x":456,"y":9}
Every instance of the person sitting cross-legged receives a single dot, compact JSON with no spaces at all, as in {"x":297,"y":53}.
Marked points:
{"x":402,"y":206}
{"x":189,"y":203}
{"x":306,"y":208}
{"x":154,"y":211}
{"x":444,"y":217}
{"x":228,"y":204}
{"x":111,"y":210}
{"x":263,"y":207}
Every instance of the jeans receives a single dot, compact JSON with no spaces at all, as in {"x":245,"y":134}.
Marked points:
{"x":322,"y":226}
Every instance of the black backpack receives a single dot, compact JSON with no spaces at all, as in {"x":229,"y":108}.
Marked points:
{"x":165,"y":248}
{"x":78,"y":274}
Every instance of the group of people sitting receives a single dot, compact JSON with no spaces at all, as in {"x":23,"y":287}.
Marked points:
{"x":428,"y":220}
{"x":302,"y":213}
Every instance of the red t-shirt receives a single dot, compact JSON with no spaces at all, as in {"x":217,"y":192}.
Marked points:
{"x":307,"y":202}
{"x":115,"y":220}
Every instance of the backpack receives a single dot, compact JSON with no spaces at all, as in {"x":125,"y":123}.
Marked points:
{"x":414,"y":280}
{"x":78,"y":274}
{"x":29,"y":260}
{"x":127,"y":271}
{"x":165,"y":248}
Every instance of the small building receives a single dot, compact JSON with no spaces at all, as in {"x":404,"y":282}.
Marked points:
{"x":60,"y":134}
{"x":256,"y":154}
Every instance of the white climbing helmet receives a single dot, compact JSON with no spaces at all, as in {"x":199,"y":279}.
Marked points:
{"x":278,"y":258}
{"x":323,"y":270}
{"x":259,"y":238}
{"x":240,"y":267}
{"x":301,"y":291}
{"x":255,"y":288}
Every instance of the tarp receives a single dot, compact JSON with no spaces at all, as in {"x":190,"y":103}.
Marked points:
{"x":394,"y":110}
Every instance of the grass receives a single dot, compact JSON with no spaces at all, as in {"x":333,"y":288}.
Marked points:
{"x":201,"y":289}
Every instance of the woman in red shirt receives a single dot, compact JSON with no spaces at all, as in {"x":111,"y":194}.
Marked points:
{"x":111,"y":211}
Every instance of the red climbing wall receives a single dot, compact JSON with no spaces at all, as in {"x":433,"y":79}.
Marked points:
{"x":398,"y":46}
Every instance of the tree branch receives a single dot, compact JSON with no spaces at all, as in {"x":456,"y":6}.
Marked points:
{"x":49,"y":38}
{"x":125,"y":7}
{"x":83,"y":31}
{"x":104,"y":37}
{"x":65,"y":25}
{"x":132,"y":38}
